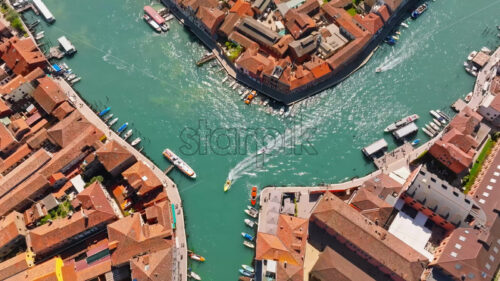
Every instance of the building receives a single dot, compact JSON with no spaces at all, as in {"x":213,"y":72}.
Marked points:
{"x":93,"y":212}
{"x":134,"y":235}
{"x":258,"y":32}
{"x":12,"y":233}
{"x":64,"y":132}
{"x":141,"y":178}
{"x":370,"y":242}
{"x":22,"y":55}
{"x":16,"y":264}
{"x":21,"y":86}
{"x":51,"y":270}
{"x":301,"y":50}
{"x":7,"y":141}
{"x":48,"y":94}
{"x":115,"y":158}
{"x":490,"y":109}
{"x":242,"y":8}
{"x":299,"y":24}
{"x":212,"y":18}
{"x":155,"y":266}
{"x":443,"y":203}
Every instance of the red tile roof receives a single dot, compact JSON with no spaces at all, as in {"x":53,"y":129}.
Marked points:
{"x":20,"y":79}
{"x":65,"y":131}
{"x":7,"y":140}
{"x":392,"y":254}
{"x":372,"y":22}
{"x":36,"y":184}
{"x":14,"y":158}
{"x":242,"y":8}
{"x":230,"y":21}
{"x":114,"y":157}
{"x":48,"y":94}
{"x":242,"y":40}
{"x":12,"y":227}
{"x":141,"y":178}
{"x":255,"y":63}
{"x":96,"y":210}
{"x":384,"y":12}
{"x":309,"y":7}
{"x":156,"y":266}
{"x":21,"y":55}
{"x":343,"y":19}
{"x":51,"y":270}
{"x":211,"y":17}
{"x":466,"y":121}
{"x":348,"y":52}
{"x":298,"y":24}
{"x":16,"y":264}
{"x":63,"y":110}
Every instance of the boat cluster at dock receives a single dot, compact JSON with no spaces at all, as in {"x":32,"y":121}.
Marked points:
{"x":437,"y":124}
{"x":111,"y":120}
{"x":393,"y":38}
{"x":66,"y":72}
{"x":470,"y":65}
{"x":157,"y":20}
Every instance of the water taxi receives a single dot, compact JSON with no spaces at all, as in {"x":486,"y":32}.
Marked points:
{"x":249,"y":244}
{"x":194,"y":275}
{"x":179,"y":163}
{"x":106,"y":110}
{"x":247,"y":236}
{"x":438,"y":116}
{"x":398,"y":124}
{"x":106,"y":119}
{"x":419,"y":11}
{"x":248,"y":268}
{"x":246,"y":273}
{"x":227,"y":185}
{"x":195,"y":257}
{"x":112,"y":122}
{"x":122,"y":128}
{"x":250,"y":223}
{"x":127,"y":134}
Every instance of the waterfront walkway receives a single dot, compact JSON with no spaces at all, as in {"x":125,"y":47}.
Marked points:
{"x":486,"y":74}
{"x":180,"y":244}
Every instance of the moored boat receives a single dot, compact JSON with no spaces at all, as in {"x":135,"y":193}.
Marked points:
{"x":247,"y":236}
{"x":195,"y":257}
{"x":398,"y":124}
{"x":435,"y":121}
{"x":252,"y":214}
{"x":246,"y":273}
{"x":122,"y":128}
{"x":194,"y":276}
{"x":419,"y":11}
{"x":107,"y":117}
{"x":471,"y":55}
{"x":404,"y":24}
{"x":430,"y":129}
{"x":415,"y":142}
{"x":112,"y":122}
{"x":106,"y":110}
{"x":135,"y":142}
{"x":227,"y":185}
{"x":248,"y":268}
{"x":438,"y":116}
{"x":179,"y":163}
{"x":253,"y":200}
{"x":427,"y":132}
{"x":250,"y":223}
{"x":249,"y":244}
{"x":127,"y":134}
{"x":434,"y":126}
{"x":446,"y":117}
{"x":156,"y":27}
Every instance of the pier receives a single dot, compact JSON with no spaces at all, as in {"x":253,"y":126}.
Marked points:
{"x":205,"y":59}
{"x":168,"y":169}
{"x":29,"y":6}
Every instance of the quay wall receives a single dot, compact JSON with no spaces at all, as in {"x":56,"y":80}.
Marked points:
{"x":327,"y":81}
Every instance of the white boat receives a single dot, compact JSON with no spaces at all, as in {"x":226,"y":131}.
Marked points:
{"x":40,"y":35}
{"x":430,"y":129}
{"x":471,"y":55}
{"x":165,"y":27}
{"x":112,"y":122}
{"x":179,"y":163}
{"x":127,"y":134}
{"x":442,"y":114}
{"x":438,"y":117}
{"x":249,"y":244}
{"x":378,"y":69}
{"x":436,"y":128}
{"x":135,"y":142}
{"x":250,"y":222}
{"x":468,"y":97}
{"x":486,"y":50}
{"x":71,"y":76}
{"x":251,"y":213}
{"x":282,"y":110}
{"x":398,"y":124}
{"x":106,"y":119}
{"x":194,"y":276}
{"x":77,"y":79}
{"x":225,"y":79}
{"x":427,"y":132}
{"x":169,"y":17}
{"x":435,"y":121}
{"x":404,"y":24}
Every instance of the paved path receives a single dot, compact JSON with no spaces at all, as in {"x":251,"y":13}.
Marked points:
{"x":484,"y":75}
{"x":180,"y":244}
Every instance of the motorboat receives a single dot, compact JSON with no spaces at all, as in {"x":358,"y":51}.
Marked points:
{"x":165,"y":27}
{"x":435,"y":121}
{"x":106,"y":118}
{"x":135,"y":142}
{"x":468,"y":97}
{"x":378,"y":69}
{"x":427,"y":132}
{"x":250,"y":223}
{"x":415,"y":142}
{"x":106,"y":110}
{"x":122,"y":128}
{"x":179,"y":163}
{"x":246,"y":273}
{"x":252,"y":214}
{"x":401,"y":123}
{"x":227,"y":185}
{"x":471,"y":55}
{"x":438,"y":116}
{"x":430,"y":129}
{"x":112,"y":122}
{"x":127,"y":134}
{"x":194,"y":276}
{"x":419,"y":11}
{"x":436,"y":128}
{"x":442,"y":114}
{"x":195,"y":257}
{"x":247,"y":236}
{"x":249,"y":244}
{"x":404,"y":24}
{"x":248,"y":268}
{"x":253,"y":199}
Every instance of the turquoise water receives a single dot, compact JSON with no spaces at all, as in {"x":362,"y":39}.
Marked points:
{"x":152,"y":82}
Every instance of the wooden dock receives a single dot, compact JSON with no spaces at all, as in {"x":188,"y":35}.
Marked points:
{"x":205,"y":59}
{"x":28,"y":7}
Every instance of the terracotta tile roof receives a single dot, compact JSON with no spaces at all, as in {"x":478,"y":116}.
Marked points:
{"x":17,"y":264}
{"x":20,"y":79}
{"x":384,"y":12}
{"x":65,"y":131}
{"x":22,"y":172}
{"x":94,"y":270}
{"x":495,"y":89}
{"x":4,"y":109}
{"x":115,"y":157}
{"x":34,"y":185}
{"x":321,"y":70}
{"x":466,"y":121}
{"x":309,"y":7}
{"x":21,"y":55}
{"x":333,"y":266}
{"x":371,"y":206}
{"x":96,"y":210}
{"x":343,"y":19}
{"x":299,"y":24}
{"x":34,"y":118}
{"x":48,"y":94}
{"x":372,"y":22}
{"x":383,"y":186}
{"x":337,"y":217}
{"x":293,"y":231}
{"x":289,"y":272}
{"x":130,"y":237}
{"x":196,"y":4}
{"x":141,"y":178}
{"x":14,"y":158}
{"x":242,"y":40}
{"x":12,"y":227}
{"x":63,"y":110}
{"x":229,"y":24}
{"x":281,"y":46}
{"x":393,"y":4}
{"x":300,"y":77}
{"x":270,"y":247}
{"x":153,"y":267}
{"x":34,"y":213}
{"x":19,"y":128}
{"x":242,"y":8}
{"x":6,"y":139}
{"x":348,"y":52}
{"x":51,"y":270}
{"x":211,"y":18}
{"x":340,"y":3}
{"x":255,"y":63}
{"x":36,"y":140}
{"x":454,"y":150}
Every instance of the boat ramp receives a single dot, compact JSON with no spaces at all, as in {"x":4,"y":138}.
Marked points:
{"x":44,"y":10}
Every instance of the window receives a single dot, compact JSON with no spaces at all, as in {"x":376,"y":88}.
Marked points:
{"x":495,"y":249}
{"x":467,"y":201}
{"x":492,"y":258}
{"x":488,"y":266}
{"x":433,"y":179}
{"x":422,"y":173}
{"x":455,"y":193}
{"x":458,"y":266}
{"x":444,"y":186}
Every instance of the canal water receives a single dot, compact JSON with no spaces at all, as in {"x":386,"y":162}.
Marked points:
{"x":151,"y":81}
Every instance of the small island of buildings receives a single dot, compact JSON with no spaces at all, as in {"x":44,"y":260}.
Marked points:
{"x":289,"y":50}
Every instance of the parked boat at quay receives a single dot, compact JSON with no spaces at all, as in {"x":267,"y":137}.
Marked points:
{"x":446,"y":117}
{"x":106,"y":110}
{"x":247,"y":236}
{"x":249,"y":244}
{"x":398,"y":124}
{"x":194,"y":276}
{"x":250,"y":223}
{"x":419,"y":11}
{"x":152,"y":23}
{"x":438,"y":116}
{"x":106,"y":118}
{"x":246,"y":273}
{"x":179,"y":163}
{"x":136,"y":141}
{"x":122,"y":128}
{"x":427,"y":132}
{"x":195,"y":257}
{"x":248,"y":268}
{"x":127,"y":134}
{"x":112,"y":122}
{"x":430,"y":129}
